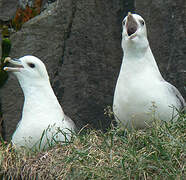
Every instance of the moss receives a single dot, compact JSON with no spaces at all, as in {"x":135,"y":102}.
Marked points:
{"x":6,"y":47}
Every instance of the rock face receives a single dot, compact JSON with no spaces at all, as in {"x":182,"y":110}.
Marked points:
{"x":7,"y":9}
{"x":166,"y":25}
{"x":79,"y":42}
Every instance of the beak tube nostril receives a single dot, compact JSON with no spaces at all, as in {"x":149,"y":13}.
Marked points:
{"x":7,"y":59}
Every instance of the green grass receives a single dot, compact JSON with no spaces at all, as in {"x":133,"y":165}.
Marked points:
{"x":158,"y":153}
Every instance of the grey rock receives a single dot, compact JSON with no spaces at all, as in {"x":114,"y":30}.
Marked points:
{"x":7,"y":9}
{"x":30,"y":3}
{"x":24,"y":3}
{"x":166,"y":25}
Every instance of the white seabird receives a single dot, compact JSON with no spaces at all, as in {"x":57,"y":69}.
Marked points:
{"x":141,"y":92}
{"x":43,"y":120}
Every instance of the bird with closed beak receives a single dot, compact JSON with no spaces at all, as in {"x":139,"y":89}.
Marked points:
{"x":43,"y":121}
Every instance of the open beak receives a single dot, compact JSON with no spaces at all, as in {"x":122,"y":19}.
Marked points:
{"x":131,"y":26}
{"x":17,"y":65}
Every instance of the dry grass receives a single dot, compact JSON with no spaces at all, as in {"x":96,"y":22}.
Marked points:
{"x":154,"y":153}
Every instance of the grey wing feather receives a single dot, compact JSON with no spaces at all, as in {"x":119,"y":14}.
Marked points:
{"x":178,"y":95}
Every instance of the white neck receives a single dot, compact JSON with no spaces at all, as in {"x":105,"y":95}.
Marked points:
{"x":40,"y":98}
{"x":139,"y":60}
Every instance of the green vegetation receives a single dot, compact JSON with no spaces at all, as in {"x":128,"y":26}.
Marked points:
{"x":159,"y":152}
{"x":6,"y":47}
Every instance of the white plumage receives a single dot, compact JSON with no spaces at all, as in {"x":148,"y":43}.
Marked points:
{"x":141,"y":92}
{"x":41,"y":110}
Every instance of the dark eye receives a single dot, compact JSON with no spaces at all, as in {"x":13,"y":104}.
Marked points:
{"x":142,"y":22}
{"x":123,"y":22}
{"x":31,"y":65}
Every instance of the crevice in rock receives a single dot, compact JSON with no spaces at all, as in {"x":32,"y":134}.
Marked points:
{"x":67,"y":33}
{"x":68,"y":30}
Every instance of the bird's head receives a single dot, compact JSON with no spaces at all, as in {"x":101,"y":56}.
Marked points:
{"x":134,"y":32}
{"x":27,"y":68}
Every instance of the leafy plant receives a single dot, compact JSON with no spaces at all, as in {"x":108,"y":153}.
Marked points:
{"x":24,"y":15}
{"x":6,"y":47}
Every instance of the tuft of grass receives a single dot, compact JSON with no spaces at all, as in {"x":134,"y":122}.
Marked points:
{"x":158,"y":152}
{"x":6,"y":47}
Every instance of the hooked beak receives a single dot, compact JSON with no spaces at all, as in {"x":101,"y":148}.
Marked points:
{"x":16,"y":62}
{"x":131,"y":26}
